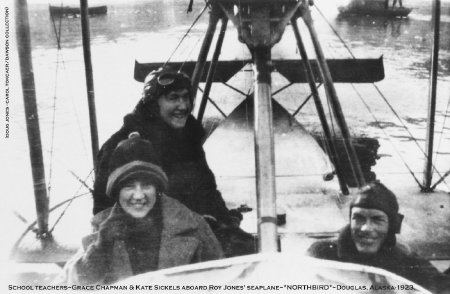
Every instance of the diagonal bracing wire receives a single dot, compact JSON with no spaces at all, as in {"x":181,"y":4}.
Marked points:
{"x":304,"y":102}
{"x":387,"y":136}
{"x":214,"y":104}
{"x":83,"y":183}
{"x":233,"y":88}
{"x":53,"y":126}
{"x":190,"y":54}
{"x":439,"y":145}
{"x":58,"y":40}
{"x":187,"y":32}
{"x":57,"y":32}
{"x":381,"y":95}
{"x":32,"y":226}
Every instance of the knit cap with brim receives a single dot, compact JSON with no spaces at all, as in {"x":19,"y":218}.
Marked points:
{"x":134,"y":158}
{"x":377,"y":196}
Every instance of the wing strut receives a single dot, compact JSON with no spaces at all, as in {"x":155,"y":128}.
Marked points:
{"x":47,"y":249}
{"x":260,"y":26}
{"x":334,"y":100}
{"x":32,"y":120}
{"x":323,"y":120}
{"x":212,"y":69}
{"x":200,"y":64}
{"x":89,"y":77}
{"x":427,"y":170}
{"x":264,"y":151}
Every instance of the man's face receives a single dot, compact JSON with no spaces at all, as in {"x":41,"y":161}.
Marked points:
{"x":369,"y":228}
{"x":174,"y":107}
{"x":137,"y":197}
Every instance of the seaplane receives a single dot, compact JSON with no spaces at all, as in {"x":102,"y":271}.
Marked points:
{"x":297,"y":189}
{"x":378,"y":8}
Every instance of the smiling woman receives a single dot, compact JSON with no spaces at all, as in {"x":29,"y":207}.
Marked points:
{"x":144,"y":230}
{"x":163,"y":117}
{"x":137,"y":197}
{"x":174,"y":107}
{"x":164,"y":88}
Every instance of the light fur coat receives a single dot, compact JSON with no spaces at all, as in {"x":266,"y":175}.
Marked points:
{"x":185,"y":238}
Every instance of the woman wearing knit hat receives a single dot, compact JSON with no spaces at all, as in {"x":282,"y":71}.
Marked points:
{"x":144,"y":230}
{"x":370,"y":239}
{"x":163,"y":117}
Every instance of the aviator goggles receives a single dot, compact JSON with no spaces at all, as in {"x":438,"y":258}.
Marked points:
{"x":159,"y":81}
{"x":170,"y":78}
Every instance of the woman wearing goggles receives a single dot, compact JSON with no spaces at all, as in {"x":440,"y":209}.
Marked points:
{"x":163,"y":116}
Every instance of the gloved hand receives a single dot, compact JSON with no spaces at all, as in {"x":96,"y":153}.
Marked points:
{"x":114,"y":228}
{"x":236,"y":217}
{"x":235,"y":241}
{"x":212,"y":221}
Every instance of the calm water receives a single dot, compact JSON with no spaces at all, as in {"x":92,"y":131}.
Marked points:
{"x":150,"y":30}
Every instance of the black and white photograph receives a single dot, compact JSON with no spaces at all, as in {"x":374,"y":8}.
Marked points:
{"x":225,"y":146}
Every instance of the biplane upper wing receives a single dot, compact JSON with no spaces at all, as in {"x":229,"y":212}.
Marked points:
{"x":367,"y":70}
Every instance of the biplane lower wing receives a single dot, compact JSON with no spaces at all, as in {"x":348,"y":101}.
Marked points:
{"x":367,"y":70}
{"x":225,"y":70}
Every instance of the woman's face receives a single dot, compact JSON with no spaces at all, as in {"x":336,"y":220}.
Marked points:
{"x":174,"y":107}
{"x":137,"y":197}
